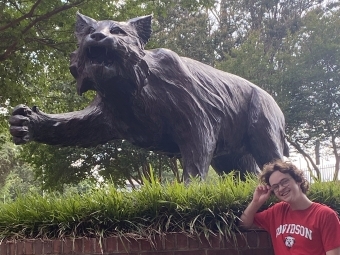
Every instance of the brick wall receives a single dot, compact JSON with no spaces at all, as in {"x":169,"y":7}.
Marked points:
{"x":254,"y":243}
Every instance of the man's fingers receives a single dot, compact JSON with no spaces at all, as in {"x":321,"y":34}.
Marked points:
{"x":262,"y":187}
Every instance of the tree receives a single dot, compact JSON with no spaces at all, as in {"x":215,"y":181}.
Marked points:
{"x":294,"y":58}
{"x":116,"y":161}
{"x":8,"y":154}
{"x":187,"y":31}
{"x":316,"y":69}
{"x":45,"y":81}
{"x":15,"y":174}
{"x":20,"y":180}
{"x":33,"y":34}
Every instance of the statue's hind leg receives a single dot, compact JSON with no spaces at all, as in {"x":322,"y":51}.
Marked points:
{"x":265,"y":150}
{"x":266,"y":139}
{"x":238,"y":162}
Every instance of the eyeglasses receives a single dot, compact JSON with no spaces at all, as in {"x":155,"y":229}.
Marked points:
{"x":283,"y":183}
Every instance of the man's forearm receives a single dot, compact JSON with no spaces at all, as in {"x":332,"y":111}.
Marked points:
{"x":247,"y":217}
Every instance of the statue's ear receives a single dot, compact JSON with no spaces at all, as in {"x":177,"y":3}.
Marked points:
{"x":143,"y":27}
{"x":83,"y":23}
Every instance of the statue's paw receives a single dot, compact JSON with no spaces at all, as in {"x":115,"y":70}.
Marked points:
{"x":19,"y":124}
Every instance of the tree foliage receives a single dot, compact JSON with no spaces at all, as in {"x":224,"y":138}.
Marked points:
{"x":300,"y":68}
{"x":40,"y":56}
{"x":33,"y":33}
{"x":316,"y":69}
{"x":7,"y":158}
{"x":187,"y":31}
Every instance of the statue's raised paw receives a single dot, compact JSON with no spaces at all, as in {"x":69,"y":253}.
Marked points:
{"x":20,"y":123}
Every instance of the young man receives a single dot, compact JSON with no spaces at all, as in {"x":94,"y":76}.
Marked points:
{"x":296,"y":225}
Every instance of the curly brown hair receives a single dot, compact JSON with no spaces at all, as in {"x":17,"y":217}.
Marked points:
{"x":285,"y":168}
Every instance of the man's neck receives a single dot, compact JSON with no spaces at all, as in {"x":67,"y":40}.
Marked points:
{"x":301,"y":203}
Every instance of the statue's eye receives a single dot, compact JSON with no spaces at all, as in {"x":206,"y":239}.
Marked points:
{"x":117,"y":31}
{"x":91,"y":30}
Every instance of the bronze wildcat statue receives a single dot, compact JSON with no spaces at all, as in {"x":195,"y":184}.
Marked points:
{"x":160,"y":101}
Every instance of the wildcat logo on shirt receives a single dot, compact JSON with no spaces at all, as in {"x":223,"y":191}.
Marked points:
{"x":294,"y":229}
{"x":289,"y":241}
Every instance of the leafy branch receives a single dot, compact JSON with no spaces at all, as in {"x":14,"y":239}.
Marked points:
{"x":28,"y":16}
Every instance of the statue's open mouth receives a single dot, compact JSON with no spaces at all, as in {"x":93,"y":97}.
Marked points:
{"x":100,"y":55}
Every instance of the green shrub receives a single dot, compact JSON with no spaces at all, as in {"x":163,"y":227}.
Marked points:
{"x":207,"y":208}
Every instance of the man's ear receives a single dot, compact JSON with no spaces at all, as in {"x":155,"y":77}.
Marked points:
{"x":83,"y":23}
{"x":143,"y":28}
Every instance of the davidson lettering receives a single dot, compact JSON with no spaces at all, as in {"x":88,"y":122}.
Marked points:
{"x":294,"y":229}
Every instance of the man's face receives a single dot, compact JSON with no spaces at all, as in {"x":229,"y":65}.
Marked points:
{"x":284,"y":187}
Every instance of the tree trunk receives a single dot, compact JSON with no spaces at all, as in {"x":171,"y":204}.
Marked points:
{"x":308,"y":159}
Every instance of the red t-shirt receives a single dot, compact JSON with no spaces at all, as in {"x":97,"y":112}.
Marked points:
{"x":312,"y":231}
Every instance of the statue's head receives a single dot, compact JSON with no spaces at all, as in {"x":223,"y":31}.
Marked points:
{"x":108,"y":51}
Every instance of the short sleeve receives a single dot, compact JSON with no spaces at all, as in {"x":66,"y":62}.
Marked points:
{"x":330,"y":229}
{"x":261,"y":219}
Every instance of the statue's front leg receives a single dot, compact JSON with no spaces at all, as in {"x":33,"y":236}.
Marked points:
{"x":88,"y":127}
{"x":197,"y":146}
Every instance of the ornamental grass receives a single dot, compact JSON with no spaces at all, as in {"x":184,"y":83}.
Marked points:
{"x":200,"y":209}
